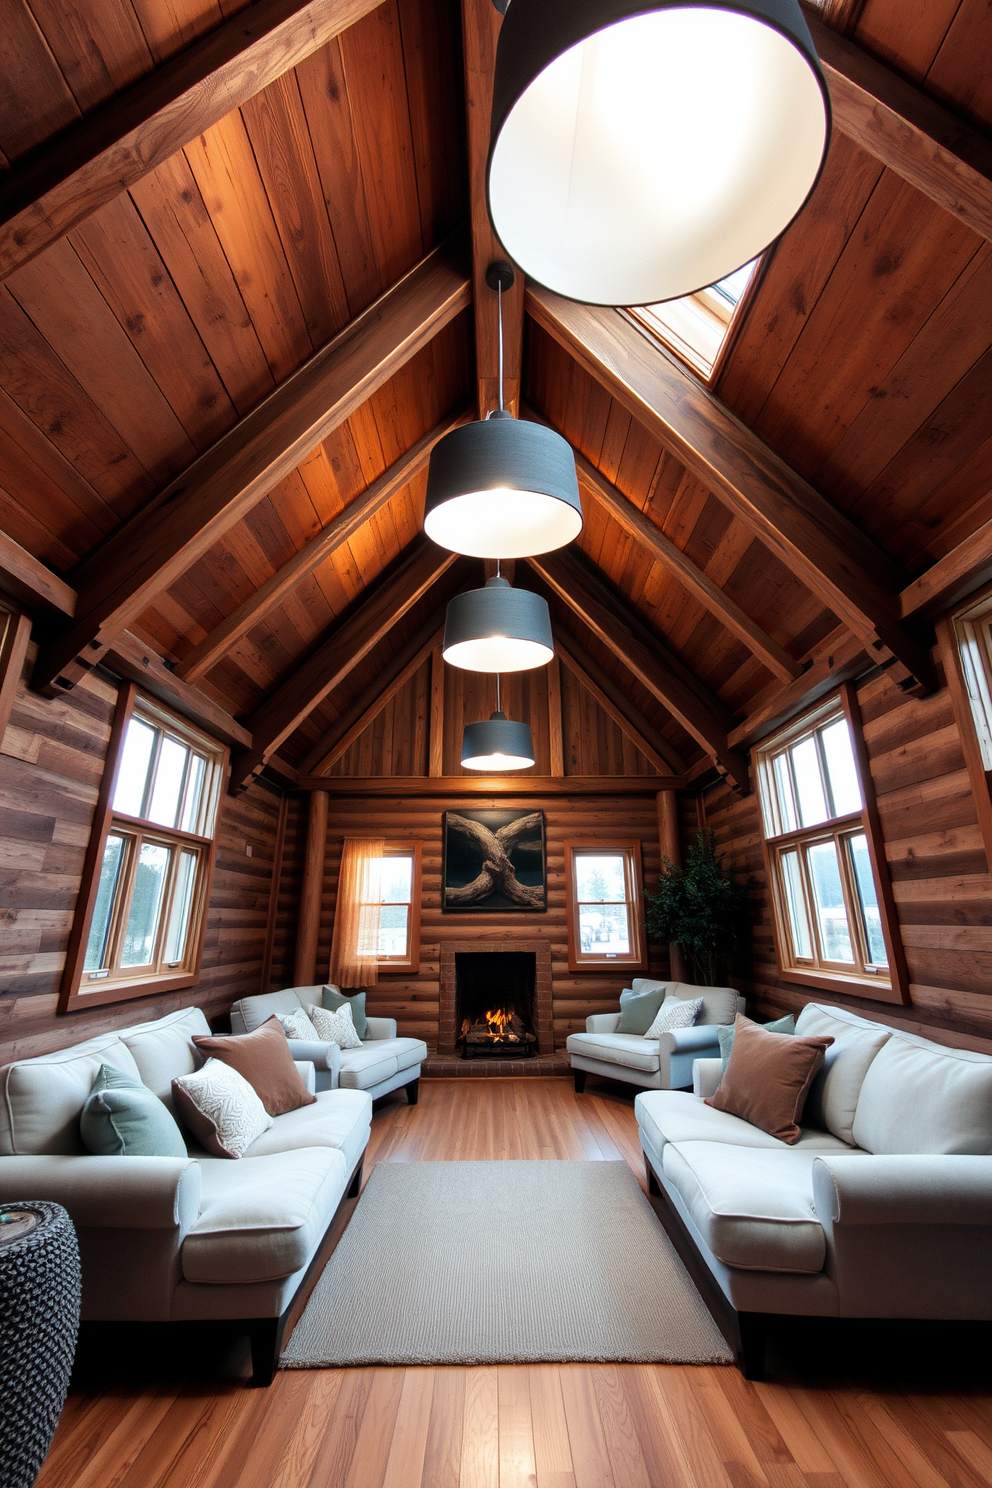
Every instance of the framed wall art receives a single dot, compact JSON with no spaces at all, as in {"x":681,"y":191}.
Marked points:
{"x":494,"y":860}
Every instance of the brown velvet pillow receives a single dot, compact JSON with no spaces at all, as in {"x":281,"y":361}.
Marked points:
{"x":768,"y":1077}
{"x":263,"y":1058}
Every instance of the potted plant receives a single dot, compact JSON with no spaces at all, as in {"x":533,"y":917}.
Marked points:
{"x":701,"y":908}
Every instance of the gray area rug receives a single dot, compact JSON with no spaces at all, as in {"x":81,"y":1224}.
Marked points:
{"x":504,"y":1263}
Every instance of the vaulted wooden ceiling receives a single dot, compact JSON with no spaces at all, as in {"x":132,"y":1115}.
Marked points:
{"x":213,"y":451}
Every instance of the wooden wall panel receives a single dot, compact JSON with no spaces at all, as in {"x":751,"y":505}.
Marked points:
{"x":395,"y":743}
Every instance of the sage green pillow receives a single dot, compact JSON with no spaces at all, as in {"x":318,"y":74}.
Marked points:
{"x":332,"y":999}
{"x":123,"y":1118}
{"x":725,"y":1033}
{"x":639,"y":1010}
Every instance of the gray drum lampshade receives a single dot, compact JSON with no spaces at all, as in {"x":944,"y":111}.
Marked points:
{"x":497,"y":744}
{"x":643,"y":149}
{"x":500,"y":488}
{"x":497,"y":629}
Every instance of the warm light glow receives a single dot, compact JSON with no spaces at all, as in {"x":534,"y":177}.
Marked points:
{"x":499,"y":1021}
{"x":503,"y":524}
{"x":496,"y":762}
{"x":498,"y":654}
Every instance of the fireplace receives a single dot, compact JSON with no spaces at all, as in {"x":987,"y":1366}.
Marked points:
{"x":494,"y":1004}
{"x":522,"y":970}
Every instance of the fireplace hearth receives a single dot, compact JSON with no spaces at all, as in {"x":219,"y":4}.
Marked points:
{"x":475,"y":982}
{"x":494,"y":1004}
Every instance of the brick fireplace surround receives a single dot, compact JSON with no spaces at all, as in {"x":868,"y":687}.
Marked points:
{"x":448,"y":1062}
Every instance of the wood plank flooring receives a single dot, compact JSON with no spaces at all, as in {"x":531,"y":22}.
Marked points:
{"x":844,"y":1406}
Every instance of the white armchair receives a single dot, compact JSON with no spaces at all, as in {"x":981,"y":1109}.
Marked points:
{"x":653,"y":1064}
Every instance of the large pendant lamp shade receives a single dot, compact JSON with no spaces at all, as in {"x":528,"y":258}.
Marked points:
{"x":497,"y":744}
{"x":502,"y":489}
{"x":497,"y":629}
{"x":641,"y":151}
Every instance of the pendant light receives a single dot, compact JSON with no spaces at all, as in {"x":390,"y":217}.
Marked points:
{"x":497,"y":744}
{"x":500,"y":488}
{"x":643,"y":149}
{"x":497,"y":629}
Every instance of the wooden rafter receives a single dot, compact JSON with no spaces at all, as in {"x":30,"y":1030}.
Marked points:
{"x":961,"y":571}
{"x":136,"y":662}
{"x":700,"y":585}
{"x":332,"y":661}
{"x":839,"y":658}
{"x":179,"y":525}
{"x":647,"y":659}
{"x":836,"y":562}
{"x":27,"y":580}
{"x":92,"y":162}
{"x":407,"y":787}
{"x":337,"y":532}
{"x":628,"y":719}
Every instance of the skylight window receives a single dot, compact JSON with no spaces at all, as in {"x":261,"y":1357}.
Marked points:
{"x":696,"y":327}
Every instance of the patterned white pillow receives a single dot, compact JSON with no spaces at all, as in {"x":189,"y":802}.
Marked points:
{"x":298,"y":1025}
{"x":675,"y":1012}
{"x":335,"y":1028}
{"x":220,"y":1108}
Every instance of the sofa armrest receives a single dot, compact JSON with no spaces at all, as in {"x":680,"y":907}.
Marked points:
{"x":706,"y":1077}
{"x":128,"y":1193}
{"x":602,"y":1023}
{"x":380,"y":1028}
{"x":308,"y":1074}
{"x":903,"y":1190}
{"x":702,"y":1036}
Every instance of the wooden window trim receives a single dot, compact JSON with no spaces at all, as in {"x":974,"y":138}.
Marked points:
{"x":635,"y":960}
{"x":979,"y":778}
{"x":71,"y":997}
{"x":13,"y":649}
{"x":897,"y":988}
{"x":408,"y":965}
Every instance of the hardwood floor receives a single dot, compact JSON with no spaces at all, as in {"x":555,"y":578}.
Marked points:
{"x":845,"y":1406}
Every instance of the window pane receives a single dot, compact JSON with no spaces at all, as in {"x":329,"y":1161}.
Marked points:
{"x":835,"y":933}
{"x":870,"y":912}
{"x":841,"y":770}
{"x":802,"y":941}
{"x":397,"y":876}
{"x":783,"y":788}
{"x":600,"y":878}
{"x":182,"y":903}
{"x":603,"y":930}
{"x":110,"y":869}
{"x":194,"y":790}
{"x":129,"y":795}
{"x":392,"y":930}
{"x":168,"y":788}
{"x":146,"y":904}
{"x":809,"y":785}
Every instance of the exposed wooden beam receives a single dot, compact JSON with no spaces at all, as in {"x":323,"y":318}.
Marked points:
{"x":628,"y":719}
{"x":337,"y":532}
{"x":435,"y":736}
{"x":366,"y":708}
{"x":841,"y":566}
{"x":964,"y":569}
{"x":913,"y":134}
{"x":839,"y":658}
{"x":311,"y":892}
{"x":87,"y":165}
{"x":327,"y":666}
{"x":408,"y":787}
{"x":131,"y":658}
{"x":660,"y":546}
{"x":480,"y":31}
{"x":27,"y":580}
{"x":646,"y":657}
{"x":179,"y":525}
{"x":556,"y":742}
{"x":15,"y":637}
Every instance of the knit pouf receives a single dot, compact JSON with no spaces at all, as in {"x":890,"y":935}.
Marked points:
{"x":39,"y":1321}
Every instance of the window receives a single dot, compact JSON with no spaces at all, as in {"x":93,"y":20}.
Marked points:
{"x":965,"y":641}
{"x":141,"y":912}
{"x":833,"y":912}
{"x":696,"y":327}
{"x":399,"y":909}
{"x":605,"y":919}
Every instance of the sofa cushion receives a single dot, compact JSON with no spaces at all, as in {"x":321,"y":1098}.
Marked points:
{"x":220,"y":1108}
{"x":263,"y":1058}
{"x":367,"y":1065}
{"x":922,"y":1097}
{"x":719,"y":1003}
{"x":408,"y":1051}
{"x":639,"y":1009}
{"x":253,"y":1011}
{"x":833,"y":1095}
{"x":41,"y":1099}
{"x":677,"y":1116}
{"x":676,"y":1012}
{"x":335,"y":1026}
{"x":339,"y":1118}
{"x":163,"y":1050}
{"x":629,"y":1049}
{"x":123,"y":1118}
{"x":725,"y":1034}
{"x":757,"y":1213}
{"x":262,"y":1219}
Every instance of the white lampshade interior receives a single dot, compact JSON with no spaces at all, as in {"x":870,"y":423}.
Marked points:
{"x":502,"y":523}
{"x":498,"y":654}
{"x":495,"y":762}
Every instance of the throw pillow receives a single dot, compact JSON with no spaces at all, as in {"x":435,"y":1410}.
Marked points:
{"x":768,"y":1077}
{"x":220,"y":1109}
{"x":264,"y":1059}
{"x":336,"y":1028}
{"x":298,"y":1025}
{"x":123,"y":1118}
{"x":639,"y":1010}
{"x":725,"y":1033}
{"x":332,"y":998}
{"x":676,"y":1012}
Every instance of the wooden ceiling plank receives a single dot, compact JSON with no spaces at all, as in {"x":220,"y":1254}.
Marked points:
{"x":962,"y":570}
{"x":339,"y":654}
{"x":628,"y":719}
{"x":333,"y":536}
{"x":646,"y":657}
{"x":839,"y":658}
{"x":835,"y":561}
{"x":409,"y":787}
{"x":30,"y":582}
{"x":913,"y":134}
{"x":93,"y":161}
{"x":179,"y":525}
{"x":133,"y":659}
{"x":366,"y":708}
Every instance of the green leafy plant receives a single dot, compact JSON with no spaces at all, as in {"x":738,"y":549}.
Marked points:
{"x":701,"y":908}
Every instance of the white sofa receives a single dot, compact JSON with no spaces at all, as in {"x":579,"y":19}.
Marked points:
{"x":180,"y":1239}
{"x":653,"y":1064}
{"x":882,"y":1209}
{"x":383,"y":1063}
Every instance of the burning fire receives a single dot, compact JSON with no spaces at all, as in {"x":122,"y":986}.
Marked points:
{"x":499,"y":1021}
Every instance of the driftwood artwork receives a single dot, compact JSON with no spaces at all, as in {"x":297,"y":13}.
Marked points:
{"x":494,"y":860}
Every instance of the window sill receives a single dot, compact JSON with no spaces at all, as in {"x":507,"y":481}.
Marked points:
{"x":595,"y":963}
{"x":870,"y":987}
{"x":97,"y":994}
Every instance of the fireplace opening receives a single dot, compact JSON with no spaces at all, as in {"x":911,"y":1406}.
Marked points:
{"x":494,"y":1004}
